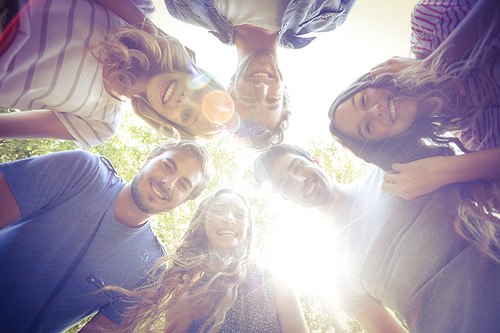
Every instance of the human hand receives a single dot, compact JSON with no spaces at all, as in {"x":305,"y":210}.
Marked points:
{"x":411,"y":180}
{"x":394,"y":65}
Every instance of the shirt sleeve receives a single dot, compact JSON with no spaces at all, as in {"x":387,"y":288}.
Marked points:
{"x":89,"y":133}
{"x":351,"y":301}
{"x":39,"y":182}
{"x":147,"y":6}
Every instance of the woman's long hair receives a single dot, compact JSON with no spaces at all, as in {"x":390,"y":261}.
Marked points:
{"x":473,"y":206}
{"x":130,"y":53}
{"x":198,"y":282}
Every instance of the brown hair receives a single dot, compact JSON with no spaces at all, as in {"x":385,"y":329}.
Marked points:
{"x":189,"y":148}
{"x":473,"y":206}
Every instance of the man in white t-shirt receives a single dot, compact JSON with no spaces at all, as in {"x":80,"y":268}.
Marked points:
{"x":256,"y":28}
{"x":394,"y":253}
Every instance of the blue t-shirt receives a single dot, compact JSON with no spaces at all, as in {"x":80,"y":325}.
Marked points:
{"x":63,"y":197}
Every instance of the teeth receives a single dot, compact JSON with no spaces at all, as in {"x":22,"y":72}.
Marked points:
{"x":311,"y":188}
{"x":169,"y":91}
{"x":260,"y":75}
{"x":158,"y":193}
{"x":393,"y":110}
{"x":226,"y":233}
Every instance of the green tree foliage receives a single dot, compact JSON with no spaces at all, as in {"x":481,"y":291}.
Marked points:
{"x":234,"y":168}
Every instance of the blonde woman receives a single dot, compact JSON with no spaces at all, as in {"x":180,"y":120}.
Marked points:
{"x":72,"y":64}
{"x":212,"y":284}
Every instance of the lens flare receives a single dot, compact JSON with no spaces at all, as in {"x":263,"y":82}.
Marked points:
{"x":218,"y":107}
{"x":197,"y":80}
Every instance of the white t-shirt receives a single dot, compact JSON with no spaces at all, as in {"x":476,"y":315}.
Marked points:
{"x":47,"y":67}
{"x":267,"y":14}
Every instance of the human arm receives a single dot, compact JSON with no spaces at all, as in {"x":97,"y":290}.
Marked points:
{"x":9,"y":209}
{"x":288,"y":308}
{"x":483,"y":16}
{"x":410,"y":180}
{"x":133,"y":15}
{"x":33,"y":124}
{"x":377,"y":319}
{"x":128,"y":11}
{"x":97,"y":322}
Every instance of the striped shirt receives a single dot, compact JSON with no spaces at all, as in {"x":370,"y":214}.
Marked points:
{"x":432,"y":22}
{"x":47,"y":67}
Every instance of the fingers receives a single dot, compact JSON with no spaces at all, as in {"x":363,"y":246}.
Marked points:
{"x":397,"y":190}
{"x":377,"y":70}
{"x":398,"y":166}
{"x":389,"y":187}
{"x":390,"y":177}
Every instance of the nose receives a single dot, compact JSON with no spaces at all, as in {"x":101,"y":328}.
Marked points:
{"x":376,"y":111}
{"x":185,"y":99}
{"x":261,"y":90}
{"x":168,"y":183}
{"x":298,"y":181}
{"x":229,"y":217}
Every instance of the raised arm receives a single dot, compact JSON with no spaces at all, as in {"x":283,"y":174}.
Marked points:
{"x":9,"y":209}
{"x":378,"y":319}
{"x":128,"y":11}
{"x":485,"y":15}
{"x":33,"y":124}
{"x":133,"y":15}
{"x":290,"y":313}
{"x":410,"y":180}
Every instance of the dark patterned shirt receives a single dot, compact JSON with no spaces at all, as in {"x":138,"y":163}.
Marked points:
{"x":254,"y":309}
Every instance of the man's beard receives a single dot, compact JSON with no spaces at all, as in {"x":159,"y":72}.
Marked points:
{"x":142,"y":201}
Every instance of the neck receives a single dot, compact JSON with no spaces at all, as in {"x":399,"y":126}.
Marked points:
{"x":334,"y":205}
{"x":126,"y":211}
{"x":249,"y":38}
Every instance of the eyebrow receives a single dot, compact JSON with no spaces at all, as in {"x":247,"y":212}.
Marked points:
{"x":187,"y":181}
{"x":171,"y":161}
{"x":360,"y":133}
{"x":174,"y":165}
{"x":290,"y":166}
{"x":359,"y":126}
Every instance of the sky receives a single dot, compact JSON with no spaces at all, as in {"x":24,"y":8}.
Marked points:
{"x":375,"y":31}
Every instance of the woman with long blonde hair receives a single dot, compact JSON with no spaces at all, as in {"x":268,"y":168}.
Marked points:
{"x":211,"y":284}
{"x":72,"y":64}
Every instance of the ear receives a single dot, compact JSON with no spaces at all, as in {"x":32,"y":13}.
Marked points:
{"x":230,"y":86}
{"x":316,"y":161}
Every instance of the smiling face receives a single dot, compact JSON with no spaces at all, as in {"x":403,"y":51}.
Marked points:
{"x":258,"y":89}
{"x":300,"y":180}
{"x":165,"y":182}
{"x":170,"y":96}
{"x":227,"y":222}
{"x":374,"y":114}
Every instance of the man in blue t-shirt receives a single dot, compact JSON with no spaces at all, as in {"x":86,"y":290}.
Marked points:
{"x":392,"y":253}
{"x":69,"y":226}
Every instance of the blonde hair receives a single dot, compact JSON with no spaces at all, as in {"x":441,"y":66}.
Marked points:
{"x":198,"y":283}
{"x":130,"y":53}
